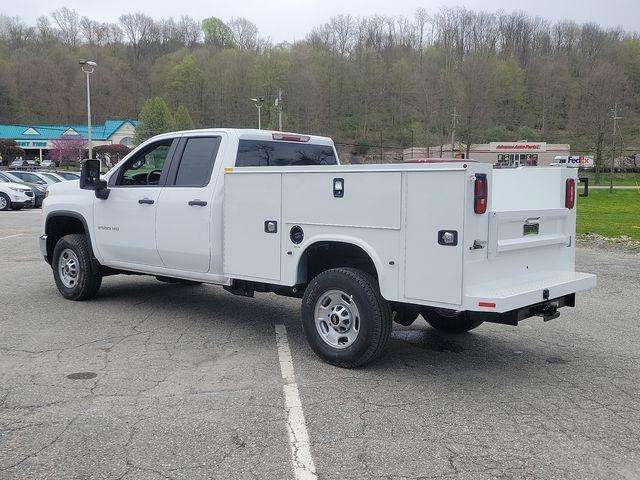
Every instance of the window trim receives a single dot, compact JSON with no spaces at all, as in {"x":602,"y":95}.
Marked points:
{"x":116,"y":177}
{"x":175,"y":164}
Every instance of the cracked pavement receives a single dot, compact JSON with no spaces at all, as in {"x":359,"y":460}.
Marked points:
{"x":188,"y":385}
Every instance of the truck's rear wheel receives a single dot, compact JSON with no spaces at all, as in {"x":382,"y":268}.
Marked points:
{"x":345,"y":318}
{"x":449,"y":321}
{"x":73,"y":271}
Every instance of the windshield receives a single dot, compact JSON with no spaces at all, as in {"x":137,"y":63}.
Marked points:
{"x":52,"y":177}
{"x":11,"y":178}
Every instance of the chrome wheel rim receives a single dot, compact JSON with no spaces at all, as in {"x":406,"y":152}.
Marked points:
{"x":69,"y":268}
{"x":3,"y":203}
{"x":337,"y":319}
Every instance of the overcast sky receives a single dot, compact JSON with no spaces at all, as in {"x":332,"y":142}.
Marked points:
{"x":292,"y":19}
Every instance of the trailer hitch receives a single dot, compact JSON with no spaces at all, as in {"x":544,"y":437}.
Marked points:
{"x":547,"y":312}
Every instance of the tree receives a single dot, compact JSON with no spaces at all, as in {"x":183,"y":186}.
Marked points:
{"x":9,"y":150}
{"x":111,"y":154}
{"x":182,"y":119}
{"x":68,"y":150}
{"x":217,"y":33}
{"x":68,"y":22}
{"x":155,"y":118}
{"x":245,"y":33}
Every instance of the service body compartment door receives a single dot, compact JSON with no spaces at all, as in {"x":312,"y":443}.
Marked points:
{"x":434,"y":203}
{"x":252,"y":204}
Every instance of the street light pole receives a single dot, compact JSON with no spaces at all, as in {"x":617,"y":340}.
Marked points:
{"x":259,"y":101}
{"x":88,"y":67}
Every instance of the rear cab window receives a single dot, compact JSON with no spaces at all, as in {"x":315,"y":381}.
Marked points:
{"x":272,"y":153}
{"x":196,"y":162}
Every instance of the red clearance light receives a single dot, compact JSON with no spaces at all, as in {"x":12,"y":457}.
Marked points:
{"x":487,"y":304}
{"x":570,"y":193}
{"x":288,"y":137}
{"x":480,"y":193}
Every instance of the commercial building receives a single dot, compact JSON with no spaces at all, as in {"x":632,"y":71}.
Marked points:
{"x":504,"y":154}
{"x":37,"y":139}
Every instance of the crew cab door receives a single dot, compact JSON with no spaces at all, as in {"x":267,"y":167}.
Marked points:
{"x":185,"y":205}
{"x":125,"y":223}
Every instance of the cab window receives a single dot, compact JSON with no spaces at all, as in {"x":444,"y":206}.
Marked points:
{"x":146,"y":167}
{"x":265,"y":153}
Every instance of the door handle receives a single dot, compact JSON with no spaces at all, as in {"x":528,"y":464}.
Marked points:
{"x":197,"y":203}
{"x":146,"y":201}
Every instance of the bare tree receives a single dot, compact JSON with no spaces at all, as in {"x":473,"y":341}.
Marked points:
{"x":68,"y":23}
{"x":244,"y":32}
{"x":190,"y":33}
{"x":138,"y":29}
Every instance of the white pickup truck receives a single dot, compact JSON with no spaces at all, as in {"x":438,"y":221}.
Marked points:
{"x":363,"y":245}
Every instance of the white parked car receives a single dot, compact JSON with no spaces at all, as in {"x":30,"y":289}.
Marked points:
{"x":362,"y":245}
{"x":14,"y":196}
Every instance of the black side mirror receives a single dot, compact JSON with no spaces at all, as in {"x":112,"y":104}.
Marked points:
{"x":90,"y":178}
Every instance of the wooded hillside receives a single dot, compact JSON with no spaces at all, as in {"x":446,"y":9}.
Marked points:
{"x":360,"y":80}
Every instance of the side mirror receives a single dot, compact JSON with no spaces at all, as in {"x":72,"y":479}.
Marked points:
{"x":90,"y":178}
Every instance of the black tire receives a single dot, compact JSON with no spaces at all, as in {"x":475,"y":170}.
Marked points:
{"x":176,"y":280}
{"x":373,"y":319}
{"x":405,"y":315}
{"x":449,"y":321}
{"x":6,"y":205}
{"x":88,"y":278}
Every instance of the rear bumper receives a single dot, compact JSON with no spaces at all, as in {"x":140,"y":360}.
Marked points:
{"x":548,"y":310}
{"x":514,"y":293}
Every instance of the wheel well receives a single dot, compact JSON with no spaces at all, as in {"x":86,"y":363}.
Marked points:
{"x":59,"y":226}
{"x":323,"y":256}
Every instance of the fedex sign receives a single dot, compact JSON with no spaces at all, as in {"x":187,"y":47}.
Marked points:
{"x":575,"y":161}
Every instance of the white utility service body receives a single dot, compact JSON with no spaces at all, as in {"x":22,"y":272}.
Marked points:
{"x":455,"y":238}
{"x":394,"y":213}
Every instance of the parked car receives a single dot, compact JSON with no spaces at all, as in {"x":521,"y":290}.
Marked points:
{"x":363,"y":245}
{"x":14,"y":196}
{"x":38,"y":189}
{"x":18,"y":162}
{"x":52,"y":175}
{"x":47,"y":164}
{"x":34,"y":177}
{"x":69,"y":175}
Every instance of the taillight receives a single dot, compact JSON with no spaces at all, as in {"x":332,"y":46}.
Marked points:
{"x":290,"y":137}
{"x":480,"y":193}
{"x":570,"y":193}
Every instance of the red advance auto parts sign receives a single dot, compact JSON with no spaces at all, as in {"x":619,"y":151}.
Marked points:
{"x":517,"y":147}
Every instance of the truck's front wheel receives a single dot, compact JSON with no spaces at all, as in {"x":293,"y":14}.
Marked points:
{"x":345,"y":318}
{"x":449,"y":321}
{"x":73,"y":271}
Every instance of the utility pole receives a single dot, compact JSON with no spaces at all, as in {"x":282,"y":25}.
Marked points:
{"x":412,"y":156}
{"x":613,"y":151}
{"x":453,"y":132}
{"x":279,"y":107}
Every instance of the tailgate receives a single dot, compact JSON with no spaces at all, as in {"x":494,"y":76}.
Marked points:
{"x":527,"y":241}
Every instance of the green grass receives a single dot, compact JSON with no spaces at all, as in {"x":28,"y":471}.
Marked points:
{"x":610,"y":214}
{"x":621,"y":179}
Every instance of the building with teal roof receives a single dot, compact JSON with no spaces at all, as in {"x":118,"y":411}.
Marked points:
{"x":36,"y":139}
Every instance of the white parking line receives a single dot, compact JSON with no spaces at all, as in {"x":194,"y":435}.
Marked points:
{"x":303,"y":466}
{"x":12,"y":236}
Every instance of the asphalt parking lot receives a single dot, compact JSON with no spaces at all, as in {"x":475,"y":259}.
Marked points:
{"x":185,"y":382}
